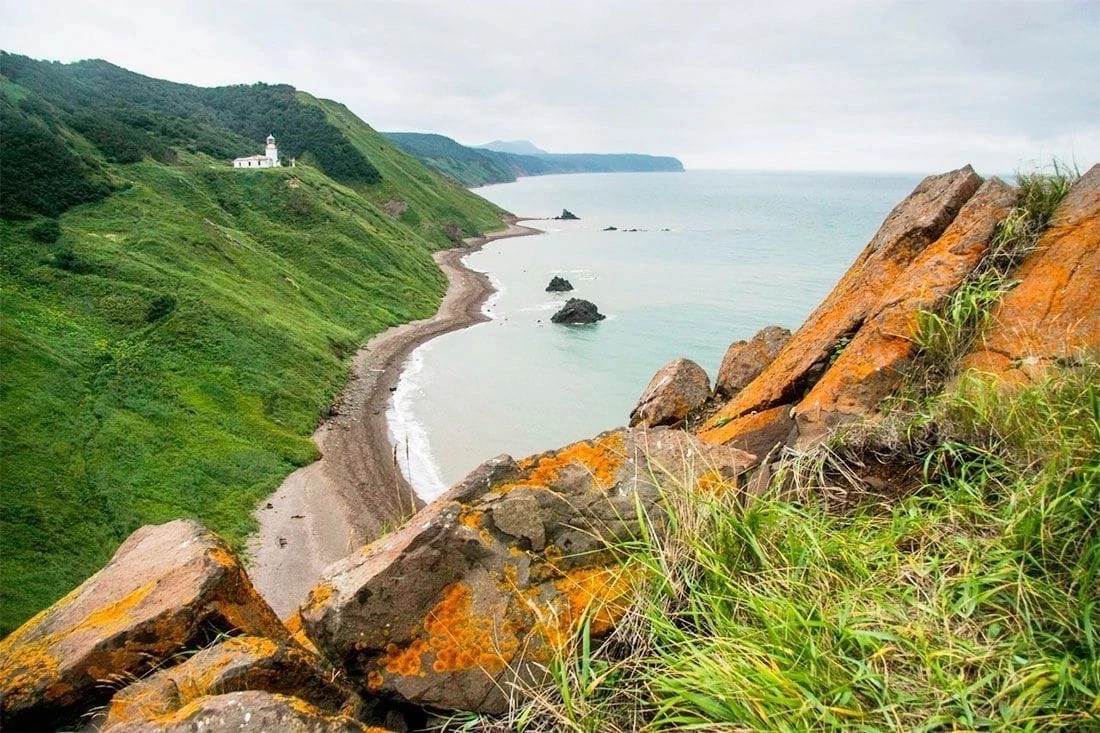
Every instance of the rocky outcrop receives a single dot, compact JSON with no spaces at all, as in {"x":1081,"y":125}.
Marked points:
{"x":1053,"y":315}
{"x":168,"y":588}
{"x":744,"y":360}
{"x":576,"y":311}
{"x":477,"y":591}
{"x":567,"y":215}
{"x":237,"y":664}
{"x":915,"y":223}
{"x":559,"y":285}
{"x":872,"y":364}
{"x":251,"y":712}
{"x":676,"y":390}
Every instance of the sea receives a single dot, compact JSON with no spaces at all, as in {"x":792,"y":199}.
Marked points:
{"x":682,"y":265}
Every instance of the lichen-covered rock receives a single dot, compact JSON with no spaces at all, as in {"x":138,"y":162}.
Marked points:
{"x":168,"y":588}
{"x":248,"y":711}
{"x":234,"y":665}
{"x":577,"y":311}
{"x":677,"y":389}
{"x":477,"y":590}
{"x":871,"y":366}
{"x":915,"y":223}
{"x":1053,"y":314}
{"x":759,"y":433}
{"x":744,"y":360}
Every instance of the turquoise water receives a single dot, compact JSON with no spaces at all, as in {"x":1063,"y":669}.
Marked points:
{"x":718,"y":255}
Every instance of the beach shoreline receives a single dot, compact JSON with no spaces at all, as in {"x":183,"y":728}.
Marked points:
{"x":356,"y":490}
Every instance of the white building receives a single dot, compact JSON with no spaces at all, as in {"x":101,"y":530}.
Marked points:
{"x":270,"y":158}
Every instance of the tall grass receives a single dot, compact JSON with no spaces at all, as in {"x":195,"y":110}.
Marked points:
{"x":971,"y":604}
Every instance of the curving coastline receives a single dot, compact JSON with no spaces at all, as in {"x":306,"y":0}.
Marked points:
{"x":355,"y":491}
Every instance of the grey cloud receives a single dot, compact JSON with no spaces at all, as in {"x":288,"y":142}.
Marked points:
{"x":847,"y":84}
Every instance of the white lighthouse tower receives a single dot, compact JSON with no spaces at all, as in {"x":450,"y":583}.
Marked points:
{"x":272,"y":151}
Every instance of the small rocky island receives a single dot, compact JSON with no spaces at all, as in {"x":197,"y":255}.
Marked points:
{"x":559,"y":285}
{"x":577,"y":310}
{"x":567,"y":215}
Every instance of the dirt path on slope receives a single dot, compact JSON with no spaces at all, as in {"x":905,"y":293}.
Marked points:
{"x":333,"y":506}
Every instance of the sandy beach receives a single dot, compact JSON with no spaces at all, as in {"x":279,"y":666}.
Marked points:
{"x":356,"y":492}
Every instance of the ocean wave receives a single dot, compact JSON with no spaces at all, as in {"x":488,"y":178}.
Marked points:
{"x":409,"y":435}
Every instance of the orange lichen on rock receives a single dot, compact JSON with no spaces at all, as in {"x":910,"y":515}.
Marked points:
{"x":913,"y":224}
{"x":601,"y":458}
{"x":463,"y":640}
{"x":714,"y":483}
{"x":600,"y":595}
{"x":405,"y":661}
{"x":375,"y":680}
{"x":458,"y":639}
{"x":320,"y":595}
{"x":1053,"y":314}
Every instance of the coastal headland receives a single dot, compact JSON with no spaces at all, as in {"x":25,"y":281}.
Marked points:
{"x":356,"y":491}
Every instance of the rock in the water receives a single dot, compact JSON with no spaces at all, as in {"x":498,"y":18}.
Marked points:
{"x":675,"y":390}
{"x":559,"y":285}
{"x":577,"y":310}
{"x":610,"y":229}
{"x":914,"y":223}
{"x":168,"y":588}
{"x":872,"y":364}
{"x":473,"y":596}
{"x":744,"y":360}
{"x":237,"y":664}
{"x":251,"y":712}
{"x":567,"y":215}
{"x":1053,"y":314}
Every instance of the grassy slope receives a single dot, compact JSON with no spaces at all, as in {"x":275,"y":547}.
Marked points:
{"x":113,"y":417}
{"x":406,"y":179}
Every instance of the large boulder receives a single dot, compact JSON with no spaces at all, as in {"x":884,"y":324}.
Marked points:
{"x":474,"y":595}
{"x":250,"y":711}
{"x":872,"y":364}
{"x":234,"y":665}
{"x":915,"y":223}
{"x":577,"y":310}
{"x":744,"y":360}
{"x":169,"y":588}
{"x":1053,"y":314}
{"x":677,"y":389}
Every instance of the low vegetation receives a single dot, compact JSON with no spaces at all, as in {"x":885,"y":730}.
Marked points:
{"x":173,"y":328}
{"x":963,"y":593}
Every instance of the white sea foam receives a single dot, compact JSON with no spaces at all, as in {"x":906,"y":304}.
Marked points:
{"x":409,"y":435}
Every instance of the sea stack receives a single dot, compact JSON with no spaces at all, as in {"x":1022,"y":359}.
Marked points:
{"x":577,"y":310}
{"x":559,"y":285}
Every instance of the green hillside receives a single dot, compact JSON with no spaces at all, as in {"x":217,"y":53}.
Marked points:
{"x":172,"y":328}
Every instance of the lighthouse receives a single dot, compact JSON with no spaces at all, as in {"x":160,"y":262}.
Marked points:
{"x":272,"y":151}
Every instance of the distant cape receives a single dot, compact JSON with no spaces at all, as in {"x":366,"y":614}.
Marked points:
{"x":496,"y":162}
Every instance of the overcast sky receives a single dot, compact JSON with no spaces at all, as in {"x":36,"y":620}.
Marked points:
{"x":802,"y":84}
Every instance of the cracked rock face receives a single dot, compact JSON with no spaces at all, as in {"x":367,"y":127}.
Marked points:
{"x":474,"y":593}
{"x":908,"y":230}
{"x":1053,"y":314}
{"x":168,"y":588}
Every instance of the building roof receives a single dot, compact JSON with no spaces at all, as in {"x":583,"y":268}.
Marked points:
{"x":252,"y":157}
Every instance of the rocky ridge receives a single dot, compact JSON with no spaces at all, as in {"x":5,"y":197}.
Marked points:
{"x":462,"y":607}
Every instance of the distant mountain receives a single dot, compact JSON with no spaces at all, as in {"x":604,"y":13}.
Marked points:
{"x":482,"y":165}
{"x":516,"y":147}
